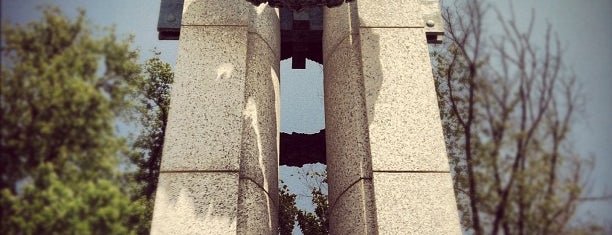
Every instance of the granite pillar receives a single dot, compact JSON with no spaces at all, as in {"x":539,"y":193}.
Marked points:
{"x":219,"y":170}
{"x":387,"y":164}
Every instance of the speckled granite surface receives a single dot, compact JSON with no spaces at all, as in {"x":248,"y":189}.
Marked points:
{"x":387,"y":165}
{"x":219,"y":170}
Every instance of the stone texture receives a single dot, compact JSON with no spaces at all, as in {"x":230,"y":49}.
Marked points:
{"x":384,"y":13}
{"x":257,"y":210}
{"x":430,"y":9}
{"x":381,"y":116}
{"x":415,"y":203}
{"x":403,"y":136}
{"x":219,"y":171}
{"x":404,"y":122}
{"x":354,"y":212}
{"x":207,"y":100}
{"x":258,"y":197}
{"x":345,"y":119}
{"x":348,"y":161}
{"x":265,"y":22}
{"x":196,"y":203}
{"x":338,"y":24}
{"x":260,"y":131}
{"x":215,"y":12}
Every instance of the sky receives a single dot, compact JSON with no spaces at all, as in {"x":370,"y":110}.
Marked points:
{"x":583,"y":28}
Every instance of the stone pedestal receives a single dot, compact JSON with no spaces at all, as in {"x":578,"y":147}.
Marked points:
{"x":219,"y":171}
{"x":387,"y":164}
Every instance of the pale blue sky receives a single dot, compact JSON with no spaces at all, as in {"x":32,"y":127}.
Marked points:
{"x":583,"y":26}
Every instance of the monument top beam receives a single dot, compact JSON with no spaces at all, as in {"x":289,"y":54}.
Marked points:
{"x":170,"y":15}
{"x":298,"y":5}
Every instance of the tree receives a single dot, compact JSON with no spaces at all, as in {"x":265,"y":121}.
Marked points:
{"x":61,"y":91}
{"x":153,"y":92}
{"x":310,"y":224}
{"x":50,"y":205}
{"x":287,"y":210}
{"x":317,"y":223}
{"x":507,"y":108}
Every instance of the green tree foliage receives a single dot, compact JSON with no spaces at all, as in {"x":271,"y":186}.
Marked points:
{"x":153,"y":91}
{"x":310,"y":223}
{"x":287,"y":210}
{"x":317,"y":223}
{"x":50,"y":205}
{"x":60,"y":93}
{"x":507,"y":107}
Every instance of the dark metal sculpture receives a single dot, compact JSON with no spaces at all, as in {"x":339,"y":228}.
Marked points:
{"x":302,"y":35}
{"x":298,"y":5}
{"x":297,"y":149}
{"x":170,"y":12}
{"x":169,"y":22}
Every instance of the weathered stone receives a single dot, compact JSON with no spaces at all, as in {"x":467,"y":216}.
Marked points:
{"x":342,"y":22}
{"x":387,"y":166}
{"x":345,"y":117}
{"x":215,"y":12}
{"x":430,"y":9}
{"x":353,"y":212}
{"x":205,"y":120}
{"x":384,"y":13}
{"x":403,"y":115}
{"x":194,"y":203}
{"x":265,"y":22}
{"x":260,"y":132}
{"x":415,"y":203}
{"x":387,"y":163}
{"x":257,"y":210}
{"x":219,"y":170}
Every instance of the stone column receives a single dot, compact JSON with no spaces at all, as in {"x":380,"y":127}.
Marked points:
{"x":219,"y":168}
{"x":349,"y":166}
{"x":387,"y":164}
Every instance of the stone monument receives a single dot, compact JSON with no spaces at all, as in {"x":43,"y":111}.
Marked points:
{"x":387,"y":166}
